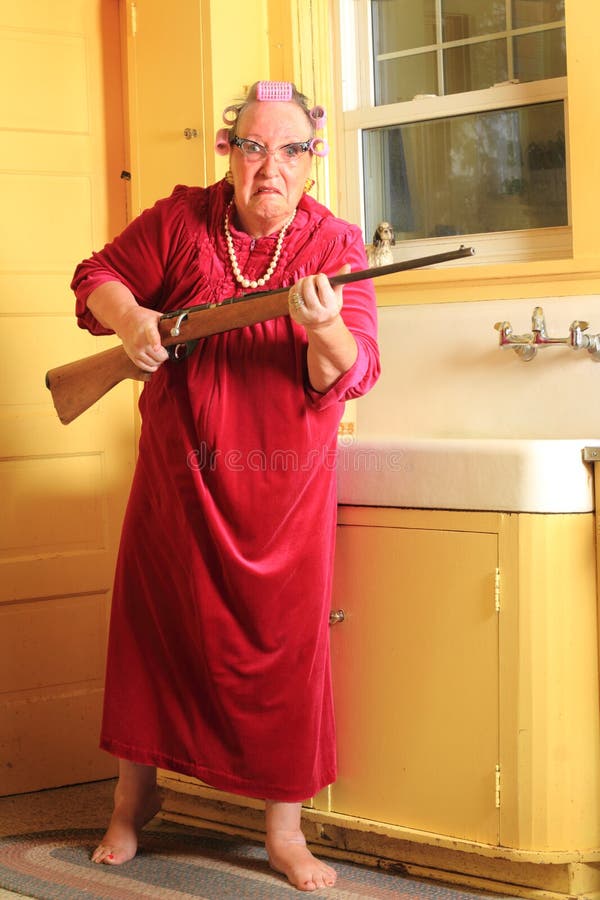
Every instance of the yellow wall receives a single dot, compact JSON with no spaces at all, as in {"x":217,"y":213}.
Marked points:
{"x":239,"y":56}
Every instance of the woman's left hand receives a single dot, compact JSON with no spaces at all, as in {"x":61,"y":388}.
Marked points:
{"x":313,"y":302}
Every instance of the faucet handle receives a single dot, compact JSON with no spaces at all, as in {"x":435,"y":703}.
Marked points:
{"x":538,"y":321}
{"x":505,"y":329}
{"x":577,"y":339}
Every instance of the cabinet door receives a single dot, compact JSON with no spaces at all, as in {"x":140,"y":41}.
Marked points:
{"x":168,"y":107}
{"x":416,"y":679}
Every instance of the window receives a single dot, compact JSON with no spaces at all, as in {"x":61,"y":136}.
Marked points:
{"x":454,"y":122}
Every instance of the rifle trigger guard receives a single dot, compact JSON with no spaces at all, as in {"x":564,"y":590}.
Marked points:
{"x":181,"y":351}
{"x":176,"y":329}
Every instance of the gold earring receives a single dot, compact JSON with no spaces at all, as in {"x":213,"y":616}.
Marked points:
{"x":229,"y":176}
{"x":308,"y":184}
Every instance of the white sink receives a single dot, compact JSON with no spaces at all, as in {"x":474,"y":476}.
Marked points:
{"x":544,"y":476}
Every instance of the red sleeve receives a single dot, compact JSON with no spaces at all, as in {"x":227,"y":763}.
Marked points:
{"x":359,"y":313}
{"x":137,"y":257}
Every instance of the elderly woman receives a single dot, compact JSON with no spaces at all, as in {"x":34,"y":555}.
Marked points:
{"x":218,"y":661}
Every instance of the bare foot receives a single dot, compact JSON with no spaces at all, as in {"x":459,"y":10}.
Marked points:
{"x":120,"y":842}
{"x":289,"y":855}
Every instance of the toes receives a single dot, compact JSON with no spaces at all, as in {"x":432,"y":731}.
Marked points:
{"x":102,"y":854}
{"x":318,"y":879}
{"x":324,"y":878}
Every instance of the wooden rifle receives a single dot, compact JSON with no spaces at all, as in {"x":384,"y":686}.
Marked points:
{"x":78,"y":385}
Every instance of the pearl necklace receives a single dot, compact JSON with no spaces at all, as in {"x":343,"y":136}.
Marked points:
{"x":241,"y":279}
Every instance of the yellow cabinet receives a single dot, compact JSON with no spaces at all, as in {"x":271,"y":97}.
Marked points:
{"x":467,"y":703}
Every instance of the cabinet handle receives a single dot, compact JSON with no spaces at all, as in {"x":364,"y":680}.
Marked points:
{"x":336,"y":615}
{"x":190,"y":133}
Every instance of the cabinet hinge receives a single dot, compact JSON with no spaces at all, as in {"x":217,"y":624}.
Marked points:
{"x":498,"y":786}
{"x":133,"y":14}
{"x":497,"y":590}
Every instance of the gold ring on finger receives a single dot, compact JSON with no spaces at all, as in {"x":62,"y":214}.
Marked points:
{"x":296,"y":300}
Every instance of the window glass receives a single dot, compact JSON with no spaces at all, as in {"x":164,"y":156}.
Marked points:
{"x":402,"y":25}
{"x":452,"y":35}
{"x":468,"y":18}
{"x":403,"y":78}
{"x":470,"y":67}
{"x":495,"y":171}
{"x":540,"y":54}
{"x":526,"y":13}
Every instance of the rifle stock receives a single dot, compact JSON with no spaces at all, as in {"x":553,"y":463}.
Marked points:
{"x":78,"y":385}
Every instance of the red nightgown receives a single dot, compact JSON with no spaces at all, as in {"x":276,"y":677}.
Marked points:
{"x":218,"y":659}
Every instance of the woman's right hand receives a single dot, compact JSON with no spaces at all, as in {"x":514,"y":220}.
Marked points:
{"x":115,"y":307}
{"x":137,"y":328}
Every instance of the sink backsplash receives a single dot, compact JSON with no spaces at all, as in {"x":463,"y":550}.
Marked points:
{"x":444,"y":375}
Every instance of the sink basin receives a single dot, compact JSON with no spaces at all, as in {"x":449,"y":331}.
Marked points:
{"x":538,"y":476}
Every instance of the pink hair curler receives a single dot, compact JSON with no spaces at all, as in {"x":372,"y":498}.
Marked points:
{"x":319,"y":147}
{"x":274,"y":90}
{"x":230,"y":119}
{"x":319,"y":117}
{"x":222,"y":142}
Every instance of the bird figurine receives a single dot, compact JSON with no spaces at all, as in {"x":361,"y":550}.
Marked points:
{"x":379,"y":253}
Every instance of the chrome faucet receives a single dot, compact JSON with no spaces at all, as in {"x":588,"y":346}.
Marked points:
{"x":527,"y":345}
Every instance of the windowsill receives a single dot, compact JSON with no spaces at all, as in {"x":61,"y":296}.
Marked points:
{"x":459,"y":282}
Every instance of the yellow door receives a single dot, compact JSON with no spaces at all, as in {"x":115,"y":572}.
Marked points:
{"x":63,"y":488}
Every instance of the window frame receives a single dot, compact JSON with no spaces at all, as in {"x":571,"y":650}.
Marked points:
{"x":575,"y":274}
{"x":356,"y":90}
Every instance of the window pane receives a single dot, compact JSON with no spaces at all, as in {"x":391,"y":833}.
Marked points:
{"x":483,"y":172}
{"x":472,"y":67}
{"x":541,"y":54}
{"x":537,"y":12}
{"x":401,"y":79}
{"x":402,"y":24}
{"x":469,"y":18}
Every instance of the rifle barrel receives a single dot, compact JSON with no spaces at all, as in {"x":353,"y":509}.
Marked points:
{"x":348,"y":278}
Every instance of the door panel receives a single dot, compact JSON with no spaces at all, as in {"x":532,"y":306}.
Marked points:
{"x":63,"y":488}
{"x":415,"y":667}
